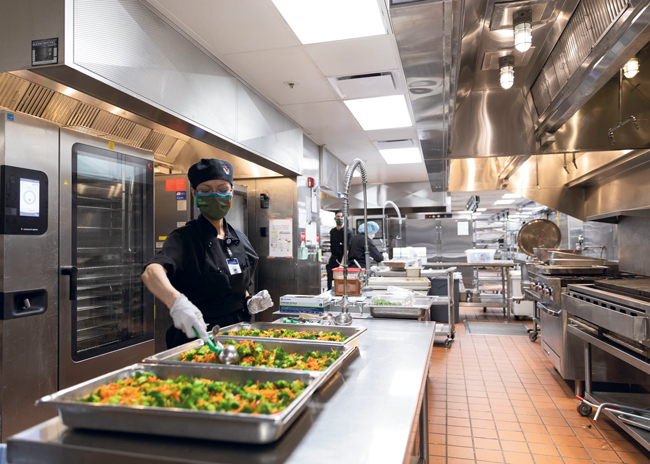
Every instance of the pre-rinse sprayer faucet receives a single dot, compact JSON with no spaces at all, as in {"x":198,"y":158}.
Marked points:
{"x":344,"y":318}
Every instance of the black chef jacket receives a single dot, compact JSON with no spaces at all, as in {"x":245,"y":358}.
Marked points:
{"x":195,"y":261}
{"x":336,"y":245}
{"x":358,"y":251}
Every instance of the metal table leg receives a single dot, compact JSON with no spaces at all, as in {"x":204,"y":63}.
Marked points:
{"x":424,"y":425}
{"x":587,"y":368}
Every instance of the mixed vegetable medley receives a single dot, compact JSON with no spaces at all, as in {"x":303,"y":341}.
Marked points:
{"x":253,"y":354}
{"x":286,"y":333}
{"x":145,"y":389}
{"x":382,"y":302}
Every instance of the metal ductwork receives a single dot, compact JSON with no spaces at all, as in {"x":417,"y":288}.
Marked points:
{"x":22,"y":96}
{"x":427,"y":35}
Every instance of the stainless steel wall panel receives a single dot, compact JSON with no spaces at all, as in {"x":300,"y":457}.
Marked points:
{"x":277,"y":275}
{"x":308,"y":271}
{"x":126,"y":43}
{"x":332,"y":172}
{"x":29,"y":344}
{"x":478,"y":133}
{"x":633,"y":245}
{"x":264,"y":129}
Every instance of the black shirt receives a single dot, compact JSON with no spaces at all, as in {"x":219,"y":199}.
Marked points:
{"x":358,"y":251}
{"x":195,"y":261}
{"x":336,"y":245}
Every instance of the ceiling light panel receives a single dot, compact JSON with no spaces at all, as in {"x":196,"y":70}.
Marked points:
{"x":511,"y":195}
{"x":504,"y":202}
{"x":380,"y":112}
{"x":317,"y":21}
{"x":402,"y":155}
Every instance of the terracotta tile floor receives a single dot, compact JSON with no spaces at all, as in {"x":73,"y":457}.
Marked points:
{"x":495,"y":399}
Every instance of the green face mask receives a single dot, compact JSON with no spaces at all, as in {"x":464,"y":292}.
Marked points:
{"x":339,"y":221}
{"x":214,"y":206}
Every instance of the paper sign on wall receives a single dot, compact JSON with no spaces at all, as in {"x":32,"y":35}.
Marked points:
{"x":311,"y":234}
{"x":463,"y":228}
{"x":281,"y":238}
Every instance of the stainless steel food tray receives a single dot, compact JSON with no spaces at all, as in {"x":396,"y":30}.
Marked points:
{"x":351,"y":332}
{"x":420,"y":306}
{"x":176,"y":422}
{"x":173,"y":356}
{"x":572,"y":270}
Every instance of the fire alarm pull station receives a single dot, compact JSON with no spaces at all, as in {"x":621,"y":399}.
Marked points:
{"x":311,"y":183}
{"x":23,"y":201}
{"x":264,"y":201}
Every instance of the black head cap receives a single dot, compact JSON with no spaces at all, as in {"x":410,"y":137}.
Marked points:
{"x":210,"y":169}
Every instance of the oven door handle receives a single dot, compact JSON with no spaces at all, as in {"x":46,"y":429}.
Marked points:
{"x":550,"y":312}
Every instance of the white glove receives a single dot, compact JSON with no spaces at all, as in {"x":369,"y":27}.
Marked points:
{"x":260,"y":302}
{"x":385,"y":255}
{"x":186,"y":316}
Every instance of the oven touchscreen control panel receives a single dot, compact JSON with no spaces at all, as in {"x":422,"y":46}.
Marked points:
{"x":24,"y":202}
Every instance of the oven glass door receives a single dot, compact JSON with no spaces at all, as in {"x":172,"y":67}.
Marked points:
{"x":111,"y":238}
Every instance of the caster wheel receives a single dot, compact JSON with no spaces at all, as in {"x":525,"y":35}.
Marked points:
{"x":485,"y":310}
{"x":532,"y":336}
{"x":584,"y":409}
{"x":453,"y":336}
{"x":448,"y":343}
{"x":517,"y":318}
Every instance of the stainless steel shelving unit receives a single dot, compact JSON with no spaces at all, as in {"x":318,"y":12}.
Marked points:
{"x":488,"y":301}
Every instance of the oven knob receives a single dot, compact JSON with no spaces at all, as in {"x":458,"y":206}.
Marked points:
{"x":538,"y":288}
{"x":532,"y":285}
{"x":550,"y":291}
{"x":546,"y":291}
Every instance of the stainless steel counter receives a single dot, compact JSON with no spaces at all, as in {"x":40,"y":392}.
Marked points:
{"x":366,"y":414}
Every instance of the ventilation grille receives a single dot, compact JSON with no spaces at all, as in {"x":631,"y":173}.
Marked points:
{"x":21,"y":96}
{"x":589,"y":23}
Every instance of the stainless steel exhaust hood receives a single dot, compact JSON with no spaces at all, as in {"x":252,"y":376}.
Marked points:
{"x":122,"y":53}
{"x":20,"y":95}
{"x":427,"y":34}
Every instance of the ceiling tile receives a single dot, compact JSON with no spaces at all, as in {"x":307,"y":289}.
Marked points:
{"x":323,"y":117}
{"x":355,"y":56}
{"x":344,"y":142}
{"x":384,"y":173}
{"x":393,"y":134}
{"x":268,"y":70}
{"x":226,"y":26}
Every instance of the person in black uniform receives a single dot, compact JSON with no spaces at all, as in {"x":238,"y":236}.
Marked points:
{"x":336,"y":247}
{"x":205,"y":268}
{"x":358,"y":247}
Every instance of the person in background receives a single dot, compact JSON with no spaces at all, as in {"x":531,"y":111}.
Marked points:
{"x":336,"y":247}
{"x":205,"y":268}
{"x":358,"y":247}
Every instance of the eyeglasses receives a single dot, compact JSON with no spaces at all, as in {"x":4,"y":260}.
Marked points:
{"x":208,"y":191}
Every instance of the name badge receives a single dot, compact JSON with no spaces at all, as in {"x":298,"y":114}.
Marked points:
{"x":233,"y":266}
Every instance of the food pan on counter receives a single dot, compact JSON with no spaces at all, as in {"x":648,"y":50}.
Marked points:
{"x":178,"y":422}
{"x":350,"y":333}
{"x":416,"y":310}
{"x":174,"y":356}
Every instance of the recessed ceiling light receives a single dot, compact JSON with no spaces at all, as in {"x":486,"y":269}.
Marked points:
{"x":511,"y":195}
{"x":316,"y":21}
{"x":504,"y":202}
{"x":481,"y":209}
{"x":402,"y":155}
{"x":380,"y":112}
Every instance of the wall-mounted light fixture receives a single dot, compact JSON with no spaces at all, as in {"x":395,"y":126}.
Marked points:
{"x":631,"y":68}
{"x":507,"y":71}
{"x":522,"y":22}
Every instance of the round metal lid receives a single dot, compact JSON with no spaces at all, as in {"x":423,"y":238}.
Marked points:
{"x":539,"y":233}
